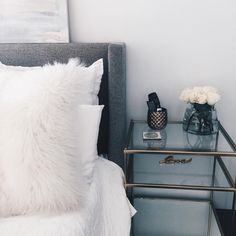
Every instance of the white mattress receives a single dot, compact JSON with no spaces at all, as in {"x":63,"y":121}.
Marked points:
{"x":107,"y":212}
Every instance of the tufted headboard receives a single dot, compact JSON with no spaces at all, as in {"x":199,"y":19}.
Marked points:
{"x":113,"y":86}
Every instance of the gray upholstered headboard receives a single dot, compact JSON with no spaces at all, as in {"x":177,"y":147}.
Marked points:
{"x":112,"y":92}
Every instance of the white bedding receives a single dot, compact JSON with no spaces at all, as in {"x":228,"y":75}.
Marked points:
{"x":107,"y":212}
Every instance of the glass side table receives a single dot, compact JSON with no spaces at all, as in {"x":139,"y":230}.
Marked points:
{"x":181,"y":169}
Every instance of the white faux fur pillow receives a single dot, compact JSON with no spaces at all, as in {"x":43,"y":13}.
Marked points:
{"x":95,"y":70}
{"x":39,"y":164}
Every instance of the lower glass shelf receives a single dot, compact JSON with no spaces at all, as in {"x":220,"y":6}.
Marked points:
{"x":172,"y":217}
{"x":202,"y":173}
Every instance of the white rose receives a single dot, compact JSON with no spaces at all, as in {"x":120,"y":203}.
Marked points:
{"x":212,"y":98}
{"x":193,"y":97}
{"x":184,"y":96}
{"x":200,"y":95}
{"x":202,"y":98}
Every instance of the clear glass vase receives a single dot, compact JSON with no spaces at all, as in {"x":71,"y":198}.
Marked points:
{"x":200,"y":119}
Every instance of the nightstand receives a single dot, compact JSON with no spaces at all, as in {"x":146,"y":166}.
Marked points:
{"x":176,"y":182}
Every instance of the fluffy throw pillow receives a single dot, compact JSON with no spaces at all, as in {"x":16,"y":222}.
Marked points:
{"x":88,"y":124}
{"x":39,"y":164}
{"x":94,"y":72}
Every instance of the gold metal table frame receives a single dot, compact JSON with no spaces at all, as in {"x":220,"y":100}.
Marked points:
{"x":129,"y":151}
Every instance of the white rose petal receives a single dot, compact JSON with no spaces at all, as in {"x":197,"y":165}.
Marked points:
{"x":193,"y":98}
{"x":212,"y":98}
{"x":202,"y":98}
{"x":184,"y":96}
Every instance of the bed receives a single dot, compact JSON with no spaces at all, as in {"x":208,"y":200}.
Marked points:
{"x":108,"y":211}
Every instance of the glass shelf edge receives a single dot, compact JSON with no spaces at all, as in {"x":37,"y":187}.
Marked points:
{"x":178,"y":152}
{"x":182,"y":187}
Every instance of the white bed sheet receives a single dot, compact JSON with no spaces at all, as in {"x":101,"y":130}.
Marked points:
{"x":107,"y":212}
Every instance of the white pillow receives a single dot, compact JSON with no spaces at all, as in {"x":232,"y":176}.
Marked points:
{"x":89,"y":117}
{"x":39,"y":164}
{"x":95,"y":70}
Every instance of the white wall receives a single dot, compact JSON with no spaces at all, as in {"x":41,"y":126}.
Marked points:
{"x":171,"y":44}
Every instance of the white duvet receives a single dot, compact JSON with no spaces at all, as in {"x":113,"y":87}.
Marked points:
{"x":107,"y":212}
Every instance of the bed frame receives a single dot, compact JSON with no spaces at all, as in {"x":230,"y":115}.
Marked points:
{"x":112,"y":93}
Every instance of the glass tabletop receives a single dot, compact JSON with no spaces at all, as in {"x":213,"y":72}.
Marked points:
{"x":175,"y":139}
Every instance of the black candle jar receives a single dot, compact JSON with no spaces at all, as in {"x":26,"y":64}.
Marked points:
{"x":157,"y":119}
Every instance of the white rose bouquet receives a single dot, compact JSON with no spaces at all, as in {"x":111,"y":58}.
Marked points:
{"x":200,"y":95}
